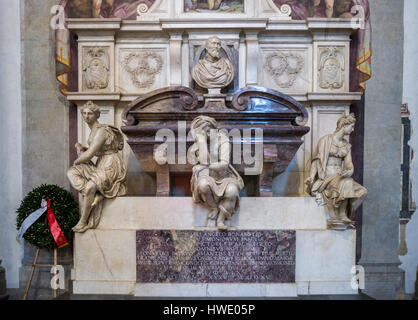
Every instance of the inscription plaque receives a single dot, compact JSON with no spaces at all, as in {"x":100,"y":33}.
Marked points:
{"x":215,"y":257}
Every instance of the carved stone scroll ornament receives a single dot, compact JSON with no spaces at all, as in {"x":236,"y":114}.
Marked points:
{"x":330,"y":179}
{"x":96,"y":68}
{"x":331,"y":68}
{"x":284,"y":67}
{"x":143,"y":67}
{"x":215,"y":184}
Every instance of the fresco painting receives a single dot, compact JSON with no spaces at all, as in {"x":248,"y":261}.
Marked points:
{"x":226,"y":6}
{"x":360,"y":51}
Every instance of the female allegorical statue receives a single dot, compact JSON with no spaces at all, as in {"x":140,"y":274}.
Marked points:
{"x":215,"y":183}
{"x":330,"y":177}
{"x":106,"y":178}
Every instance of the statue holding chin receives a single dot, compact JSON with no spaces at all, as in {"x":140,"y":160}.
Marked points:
{"x":213,"y":71}
{"x":215,"y":183}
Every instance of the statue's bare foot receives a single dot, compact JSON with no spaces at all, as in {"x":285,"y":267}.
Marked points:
{"x":346,"y":220}
{"x":222,"y":226}
{"x":84,"y":229}
{"x":97,"y":200}
{"x":213,"y":214}
{"x":80,"y":226}
{"x":351,"y":226}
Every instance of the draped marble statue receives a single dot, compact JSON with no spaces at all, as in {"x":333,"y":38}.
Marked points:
{"x":213,"y":71}
{"x":215,"y":183}
{"x":106,"y":178}
{"x":330,"y":176}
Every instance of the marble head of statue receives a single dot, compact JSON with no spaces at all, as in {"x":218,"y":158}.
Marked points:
{"x":213,"y":71}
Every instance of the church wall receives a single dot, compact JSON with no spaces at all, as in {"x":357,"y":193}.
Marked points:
{"x":382,"y":154}
{"x":11,"y":138}
{"x":45,"y":133}
{"x":410,"y":83}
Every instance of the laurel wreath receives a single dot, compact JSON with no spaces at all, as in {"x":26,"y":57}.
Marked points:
{"x":65,"y":209}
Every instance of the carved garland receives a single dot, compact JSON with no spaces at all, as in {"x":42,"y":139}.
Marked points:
{"x":143,"y":67}
{"x":289,"y":65}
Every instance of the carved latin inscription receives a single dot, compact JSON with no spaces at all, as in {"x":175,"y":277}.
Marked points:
{"x":331,"y":68}
{"x":143,"y":67}
{"x":215,"y":257}
{"x":96,"y":68}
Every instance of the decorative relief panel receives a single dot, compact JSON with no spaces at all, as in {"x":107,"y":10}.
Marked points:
{"x":142,"y":70}
{"x":96,"y":68}
{"x":285,"y":69}
{"x":331,"y":68}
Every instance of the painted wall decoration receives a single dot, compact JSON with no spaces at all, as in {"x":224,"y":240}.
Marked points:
{"x":66,"y":46}
{"x":360,"y":51}
{"x":361,"y":46}
{"x":231,"y":6}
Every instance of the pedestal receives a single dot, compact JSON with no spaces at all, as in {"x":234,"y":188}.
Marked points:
{"x":214,"y":99}
{"x":106,"y":260}
{"x":3,"y":287}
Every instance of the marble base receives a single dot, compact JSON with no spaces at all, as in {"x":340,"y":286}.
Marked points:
{"x":105,"y":258}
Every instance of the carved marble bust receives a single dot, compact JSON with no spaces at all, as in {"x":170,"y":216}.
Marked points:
{"x":213,"y":71}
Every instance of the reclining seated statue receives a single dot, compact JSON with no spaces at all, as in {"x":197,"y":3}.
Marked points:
{"x":106,"y":178}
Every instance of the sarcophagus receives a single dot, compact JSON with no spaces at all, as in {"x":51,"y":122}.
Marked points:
{"x":257,"y":119}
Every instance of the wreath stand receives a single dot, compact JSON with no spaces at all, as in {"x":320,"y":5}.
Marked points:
{"x":34,"y":265}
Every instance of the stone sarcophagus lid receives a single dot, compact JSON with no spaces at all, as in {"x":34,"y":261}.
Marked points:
{"x":265,"y":127}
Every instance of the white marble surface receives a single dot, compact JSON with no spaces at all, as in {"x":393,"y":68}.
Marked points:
{"x":134,"y":213}
{"x":105,"y":259}
{"x":105,"y":255}
{"x":325,"y":256}
{"x":216,"y":290}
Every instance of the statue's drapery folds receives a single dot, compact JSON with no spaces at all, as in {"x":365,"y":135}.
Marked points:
{"x":330,"y":177}
{"x":214,"y":184}
{"x":106,"y":178}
